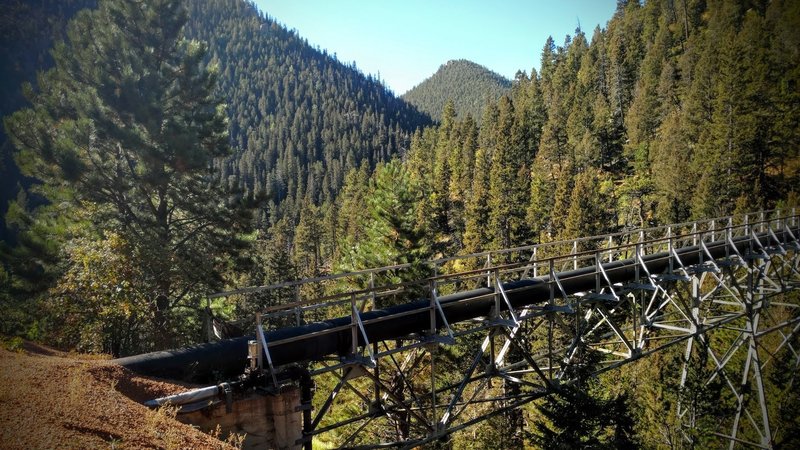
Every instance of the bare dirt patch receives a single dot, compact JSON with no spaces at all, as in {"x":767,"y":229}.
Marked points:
{"x":49,"y":399}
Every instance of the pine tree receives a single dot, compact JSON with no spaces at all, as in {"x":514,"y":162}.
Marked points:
{"x":591,"y":206}
{"x":476,"y":233}
{"x":530,"y":115}
{"x":462,"y":160}
{"x":562,"y":198}
{"x":439,"y":224}
{"x":718,"y":143}
{"x":392,"y":235}
{"x":577,"y":416}
{"x":353,"y":204}
{"x":704,"y":400}
{"x":540,"y":205}
{"x":127,"y":121}
{"x":308,"y":238}
{"x":549,"y":60}
{"x":509,"y":183}
{"x":272,"y":263}
{"x":783,"y":58}
{"x":573,"y":415}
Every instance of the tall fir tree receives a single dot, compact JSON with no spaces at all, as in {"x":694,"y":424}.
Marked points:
{"x":476,"y":237}
{"x":308,"y":240}
{"x":591,"y":207}
{"x":509,"y":182}
{"x":446,"y":141}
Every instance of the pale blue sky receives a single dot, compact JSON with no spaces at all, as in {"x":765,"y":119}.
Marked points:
{"x":405,"y":41}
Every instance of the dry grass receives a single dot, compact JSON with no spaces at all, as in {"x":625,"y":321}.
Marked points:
{"x":74,"y":402}
{"x":161,"y":425}
{"x":235,"y":440}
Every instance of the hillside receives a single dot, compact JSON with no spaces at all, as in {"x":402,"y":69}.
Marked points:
{"x":300,"y":119}
{"x":468,"y":84}
{"x":50,"y":399}
{"x":654,"y":119}
{"x":670,"y":113}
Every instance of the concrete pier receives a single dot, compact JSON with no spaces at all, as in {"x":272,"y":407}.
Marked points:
{"x":269,"y":421}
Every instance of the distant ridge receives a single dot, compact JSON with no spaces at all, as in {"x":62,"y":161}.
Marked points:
{"x":468,"y":84}
{"x":300,"y":118}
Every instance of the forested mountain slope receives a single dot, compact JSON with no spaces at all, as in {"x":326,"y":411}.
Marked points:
{"x":667,"y":114}
{"x":469,"y":85}
{"x":674,"y":110}
{"x":299,"y":118}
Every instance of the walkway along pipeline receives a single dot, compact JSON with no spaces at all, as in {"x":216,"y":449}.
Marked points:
{"x":228,"y":358}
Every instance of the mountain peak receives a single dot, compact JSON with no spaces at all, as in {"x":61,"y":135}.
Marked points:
{"x":469,"y":84}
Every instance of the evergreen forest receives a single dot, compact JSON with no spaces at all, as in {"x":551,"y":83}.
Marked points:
{"x":230,"y":153}
{"x":469,"y":85}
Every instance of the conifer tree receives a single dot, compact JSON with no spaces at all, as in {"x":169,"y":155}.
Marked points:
{"x":530,"y":115}
{"x":127,"y":121}
{"x":442,"y":172}
{"x":562,"y":198}
{"x":540,"y":206}
{"x":577,"y":416}
{"x":462,"y":159}
{"x":549,"y":59}
{"x":591,"y":206}
{"x":477,"y":208}
{"x":353,"y":205}
{"x":308,"y":239}
{"x":508,"y":183}
{"x":392,"y":235}
{"x":487,"y":138}
{"x":272,"y":264}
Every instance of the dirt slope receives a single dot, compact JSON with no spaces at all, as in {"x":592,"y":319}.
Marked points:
{"x":52,"y":400}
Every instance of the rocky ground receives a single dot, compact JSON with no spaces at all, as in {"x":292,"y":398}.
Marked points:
{"x":50,"y":400}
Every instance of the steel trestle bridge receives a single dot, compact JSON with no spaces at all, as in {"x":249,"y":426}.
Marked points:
{"x":484,"y":334}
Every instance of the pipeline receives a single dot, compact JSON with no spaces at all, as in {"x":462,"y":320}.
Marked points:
{"x":228,"y":358}
{"x":188,"y":397}
{"x":197,"y":399}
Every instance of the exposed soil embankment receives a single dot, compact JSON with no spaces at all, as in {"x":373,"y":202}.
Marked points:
{"x":50,"y":400}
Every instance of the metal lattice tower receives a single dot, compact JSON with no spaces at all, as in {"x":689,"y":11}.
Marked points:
{"x":497,"y":330}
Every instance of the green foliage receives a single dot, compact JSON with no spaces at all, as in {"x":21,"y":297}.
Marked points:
{"x":540,"y":208}
{"x":271,"y":263}
{"x":703,"y":401}
{"x":509,"y":182}
{"x":308,"y":240}
{"x":577,"y":416}
{"x":477,"y":212}
{"x":125,"y":127}
{"x":782,"y":380}
{"x":13,"y":344}
{"x":591,"y":206}
{"x":300,"y":119}
{"x":28,"y":30}
{"x":467,"y":85}
{"x":673,"y":110}
{"x":102,"y":299}
{"x":391,"y":235}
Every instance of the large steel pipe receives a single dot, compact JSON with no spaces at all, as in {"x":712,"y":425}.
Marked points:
{"x":314,"y":341}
